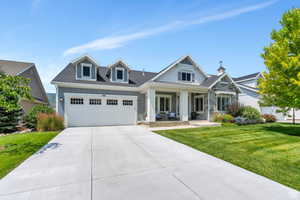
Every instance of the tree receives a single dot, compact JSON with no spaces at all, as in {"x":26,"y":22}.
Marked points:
{"x":12,"y":90}
{"x":281,"y":83}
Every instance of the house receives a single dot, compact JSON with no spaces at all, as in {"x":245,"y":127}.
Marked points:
{"x":90,"y":95}
{"x":250,"y":96}
{"x":27,"y":70}
{"x":248,"y":85}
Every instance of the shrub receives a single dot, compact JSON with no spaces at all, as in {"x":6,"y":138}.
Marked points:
{"x":49,"y":122}
{"x":251,"y":113}
{"x":31,"y":117}
{"x":269,"y":118}
{"x":235,"y":109}
{"x":223,"y":118}
{"x":9,"y":120}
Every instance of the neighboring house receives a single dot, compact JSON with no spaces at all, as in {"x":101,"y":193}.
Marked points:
{"x":250,"y":95}
{"x":52,"y":100}
{"x":248,"y":85}
{"x":89,"y":94}
{"x":27,"y":70}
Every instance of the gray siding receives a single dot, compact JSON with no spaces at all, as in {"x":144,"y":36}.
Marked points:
{"x":37,"y":89}
{"x":140,"y":98}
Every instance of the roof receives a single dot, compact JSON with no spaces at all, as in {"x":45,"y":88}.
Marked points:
{"x":209,"y":80}
{"x":136,"y":78}
{"x":183,"y":59}
{"x":13,"y":67}
{"x":249,"y":76}
{"x":248,"y":87}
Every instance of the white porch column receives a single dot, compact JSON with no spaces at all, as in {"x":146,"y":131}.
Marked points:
{"x":184,"y":107}
{"x":151,"y":105}
{"x":208,"y":106}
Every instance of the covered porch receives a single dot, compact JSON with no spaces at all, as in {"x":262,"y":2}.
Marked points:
{"x":177,"y":104}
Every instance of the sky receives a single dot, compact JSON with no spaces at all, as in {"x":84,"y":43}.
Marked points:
{"x":147,"y":35}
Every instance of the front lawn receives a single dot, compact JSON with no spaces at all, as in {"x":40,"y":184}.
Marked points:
{"x":14,"y":149}
{"x":271,"y":150}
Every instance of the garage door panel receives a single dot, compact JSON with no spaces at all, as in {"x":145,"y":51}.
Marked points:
{"x":99,"y":115}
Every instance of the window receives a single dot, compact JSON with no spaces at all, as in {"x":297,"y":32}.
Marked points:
{"x":76,"y":101}
{"x":222,"y":103}
{"x":86,"y":71}
{"x":198,"y":103}
{"x":111,"y":102}
{"x":127,"y":102}
{"x":95,"y":101}
{"x":163,"y":103}
{"x":120,"y":74}
{"x":186,"y":76}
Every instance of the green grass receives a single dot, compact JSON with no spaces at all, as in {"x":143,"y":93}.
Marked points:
{"x":271,"y":150}
{"x":14,"y":149}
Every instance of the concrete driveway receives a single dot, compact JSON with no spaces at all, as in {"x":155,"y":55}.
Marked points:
{"x":130,"y":162}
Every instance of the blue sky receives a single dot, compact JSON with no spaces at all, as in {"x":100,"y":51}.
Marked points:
{"x":146,"y":34}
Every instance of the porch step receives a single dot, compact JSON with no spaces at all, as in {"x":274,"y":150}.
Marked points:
{"x":164,"y":123}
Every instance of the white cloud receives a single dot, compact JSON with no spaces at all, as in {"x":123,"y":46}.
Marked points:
{"x":119,"y":41}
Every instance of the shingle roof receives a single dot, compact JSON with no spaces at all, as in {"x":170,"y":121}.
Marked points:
{"x":246,"y":76}
{"x":136,"y":78}
{"x":13,"y":67}
{"x":209,"y":80}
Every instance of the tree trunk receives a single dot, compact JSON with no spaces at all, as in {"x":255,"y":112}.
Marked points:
{"x":294,"y":116}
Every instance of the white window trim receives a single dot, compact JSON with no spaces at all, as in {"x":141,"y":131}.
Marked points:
{"x":158,"y":102}
{"x":116,"y":77}
{"x":198,"y":96}
{"x":220,"y":95}
{"x":86,"y":65}
{"x":186,"y":71}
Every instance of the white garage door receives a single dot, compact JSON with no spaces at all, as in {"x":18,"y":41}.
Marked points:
{"x":100,"y":110}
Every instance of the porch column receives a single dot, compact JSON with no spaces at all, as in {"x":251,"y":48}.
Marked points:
{"x":151,"y":105}
{"x":184,"y":107}
{"x":208,"y":106}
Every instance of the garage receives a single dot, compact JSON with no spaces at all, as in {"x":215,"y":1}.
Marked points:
{"x":100,"y":109}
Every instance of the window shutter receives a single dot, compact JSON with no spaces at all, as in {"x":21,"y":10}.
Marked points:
{"x":78,"y":69}
{"x":179,"y":76}
{"x":193,"y":77}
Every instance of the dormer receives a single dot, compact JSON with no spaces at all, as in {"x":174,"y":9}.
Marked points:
{"x":119,"y":72}
{"x":86,"y":68}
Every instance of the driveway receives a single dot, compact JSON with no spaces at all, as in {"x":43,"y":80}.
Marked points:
{"x":130,"y":162}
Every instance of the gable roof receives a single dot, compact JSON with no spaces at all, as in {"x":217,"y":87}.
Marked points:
{"x":14,"y":67}
{"x":136,"y":78}
{"x":220,"y":77}
{"x":86,"y":56}
{"x":184,"y":59}
{"x":249,"y":76}
{"x":119,"y":62}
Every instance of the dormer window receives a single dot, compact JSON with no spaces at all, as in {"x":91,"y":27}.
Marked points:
{"x":120,"y":74}
{"x":186,"y":76}
{"x":86,"y":70}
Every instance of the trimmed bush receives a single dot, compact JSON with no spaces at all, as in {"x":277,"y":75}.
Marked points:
{"x":31,"y":117}
{"x":251,"y":113}
{"x":269,"y":118}
{"x":223,"y":118}
{"x":235,"y":109}
{"x":49,"y":122}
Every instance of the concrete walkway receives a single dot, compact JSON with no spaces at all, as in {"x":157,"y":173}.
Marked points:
{"x":130,"y":162}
